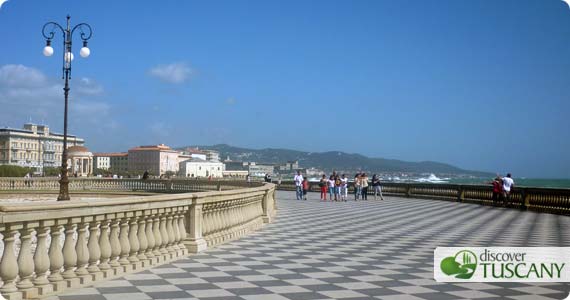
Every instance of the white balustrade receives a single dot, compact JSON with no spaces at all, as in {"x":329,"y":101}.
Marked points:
{"x":77,"y":242}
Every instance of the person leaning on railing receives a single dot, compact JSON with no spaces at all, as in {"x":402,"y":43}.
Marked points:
{"x":508,"y":185}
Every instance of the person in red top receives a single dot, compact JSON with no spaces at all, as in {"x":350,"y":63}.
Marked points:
{"x":323,"y":184}
{"x":305,"y":188}
{"x":497,"y":189}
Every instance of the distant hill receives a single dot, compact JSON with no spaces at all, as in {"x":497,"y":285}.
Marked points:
{"x":336,"y":160}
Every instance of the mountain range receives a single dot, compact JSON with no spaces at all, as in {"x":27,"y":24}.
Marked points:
{"x":336,"y":160}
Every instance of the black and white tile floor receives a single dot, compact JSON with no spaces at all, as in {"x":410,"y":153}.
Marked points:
{"x":350,"y":250}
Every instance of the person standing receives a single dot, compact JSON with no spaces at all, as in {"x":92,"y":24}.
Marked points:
{"x":331,"y":187}
{"x":337,"y":184}
{"x":497,"y":189}
{"x":343,"y":187}
{"x":357,"y":186}
{"x":508,"y":185}
{"x":376,"y":186}
{"x":323,"y":184}
{"x":305,"y":188}
{"x":364,"y":184}
{"x":299,"y":185}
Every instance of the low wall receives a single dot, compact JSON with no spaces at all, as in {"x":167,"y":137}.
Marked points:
{"x":52,"y":246}
{"x":108,"y":184}
{"x":550,"y":200}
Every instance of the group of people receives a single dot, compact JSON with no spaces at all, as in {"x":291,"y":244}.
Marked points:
{"x":502,"y":187}
{"x":336,"y":186}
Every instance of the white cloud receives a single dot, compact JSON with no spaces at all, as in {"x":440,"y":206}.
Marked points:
{"x":20,"y":76}
{"x":172,"y":73}
{"x":2,"y":2}
{"x":26,"y":92}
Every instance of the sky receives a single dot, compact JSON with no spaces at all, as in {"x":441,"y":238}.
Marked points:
{"x":482,"y":85}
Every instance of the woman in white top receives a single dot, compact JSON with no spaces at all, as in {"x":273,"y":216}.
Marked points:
{"x":331,"y":187}
{"x":343,"y":187}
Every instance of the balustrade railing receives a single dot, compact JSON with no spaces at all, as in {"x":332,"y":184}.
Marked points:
{"x":549,"y":200}
{"x":52,"y":246}
{"x":107,"y":184}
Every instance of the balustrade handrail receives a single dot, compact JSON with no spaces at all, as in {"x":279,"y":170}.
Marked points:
{"x":104,"y":238}
{"x":551,"y":200}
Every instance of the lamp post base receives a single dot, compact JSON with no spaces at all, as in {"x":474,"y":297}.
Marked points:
{"x":63,"y":189}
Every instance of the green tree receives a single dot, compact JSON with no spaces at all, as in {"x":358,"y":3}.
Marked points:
{"x":14,"y":171}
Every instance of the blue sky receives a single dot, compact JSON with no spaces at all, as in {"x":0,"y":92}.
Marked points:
{"x":482,"y":85}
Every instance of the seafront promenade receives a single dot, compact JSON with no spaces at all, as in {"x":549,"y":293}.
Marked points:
{"x":347,"y":250}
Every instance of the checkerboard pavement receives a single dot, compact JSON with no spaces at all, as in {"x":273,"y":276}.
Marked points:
{"x":348,"y":250}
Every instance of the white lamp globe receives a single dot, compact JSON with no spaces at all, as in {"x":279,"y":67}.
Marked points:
{"x":68,"y":57}
{"x":84,"y":52}
{"x":48,"y":51}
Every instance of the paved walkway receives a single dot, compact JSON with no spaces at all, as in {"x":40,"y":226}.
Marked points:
{"x":352,"y":250}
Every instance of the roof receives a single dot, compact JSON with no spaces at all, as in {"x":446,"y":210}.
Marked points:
{"x":77,"y":149}
{"x":113,"y":154}
{"x":161,"y":147}
{"x":13,"y":130}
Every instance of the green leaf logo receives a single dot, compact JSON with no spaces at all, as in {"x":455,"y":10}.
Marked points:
{"x":462,"y":265}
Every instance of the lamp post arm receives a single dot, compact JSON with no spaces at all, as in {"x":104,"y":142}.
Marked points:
{"x":84,"y":36}
{"x":49,"y":34}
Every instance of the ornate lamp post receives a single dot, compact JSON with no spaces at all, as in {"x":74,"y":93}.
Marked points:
{"x":48,"y":32}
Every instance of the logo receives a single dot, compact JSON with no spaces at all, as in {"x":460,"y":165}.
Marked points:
{"x":501,"y":264}
{"x":462,"y":265}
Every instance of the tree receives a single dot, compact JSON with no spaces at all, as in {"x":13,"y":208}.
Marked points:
{"x":14,"y":171}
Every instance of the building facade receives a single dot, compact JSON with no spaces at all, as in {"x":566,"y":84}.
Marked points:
{"x":101,"y":162}
{"x":156,"y":159}
{"x":201,"y":168}
{"x":33,"y":146}
{"x":115,"y":162}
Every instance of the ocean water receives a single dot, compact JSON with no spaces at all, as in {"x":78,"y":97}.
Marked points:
{"x":527,"y":182}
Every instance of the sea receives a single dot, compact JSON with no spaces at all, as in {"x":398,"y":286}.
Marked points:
{"x":432,"y":178}
{"x":526,"y":182}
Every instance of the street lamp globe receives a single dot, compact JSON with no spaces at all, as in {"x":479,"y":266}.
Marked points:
{"x":68,"y":57}
{"x":84,"y":52}
{"x":48,"y":51}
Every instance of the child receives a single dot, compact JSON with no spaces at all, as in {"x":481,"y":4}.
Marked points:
{"x":305,"y":188}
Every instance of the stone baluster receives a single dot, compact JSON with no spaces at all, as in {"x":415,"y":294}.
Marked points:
{"x":163,"y":233}
{"x":69,"y":254}
{"x":94,"y":249}
{"x":206,"y":227}
{"x":149,"y":235}
{"x":104,"y":246}
{"x":41,"y":260}
{"x":55,"y":258}
{"x":141,"y":236}
{"x":25,"y":259}
{"x":133,"y":239}
{"x":115,"y":243}
{"x":124,"y":239}
{"x":175,"y":216}
{"x":182,"y":229}
{"x":82,"y":250}
{"x":157,"y":237}
{"x":170,"y":232}
{"x":8,"y":264}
